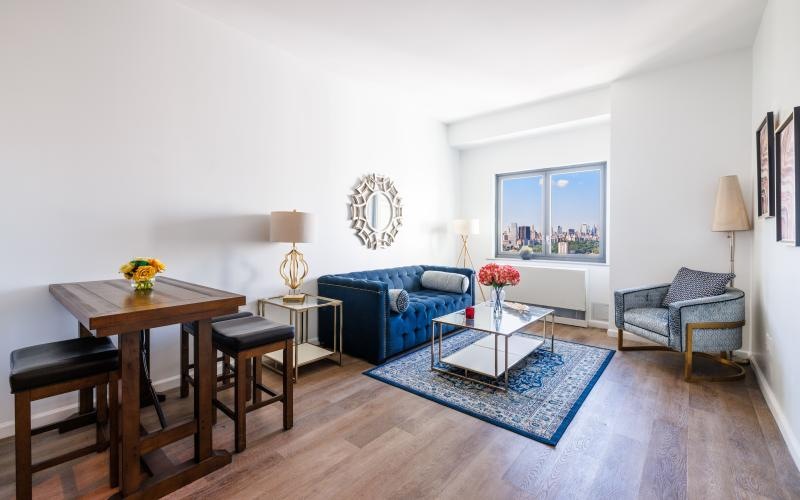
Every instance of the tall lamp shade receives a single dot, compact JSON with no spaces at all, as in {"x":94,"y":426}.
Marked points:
{"x":292,"y":227}
{"x":465,"y":227}
{"x":730,"y":212}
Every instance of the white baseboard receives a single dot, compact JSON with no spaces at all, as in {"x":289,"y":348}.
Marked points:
{"x":60,"y":413}
{"x":593,"y":323}
{"x":573,"y":322}
{"x":777,"y":412}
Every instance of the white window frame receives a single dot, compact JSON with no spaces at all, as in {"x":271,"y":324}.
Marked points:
{"x":547,"y":254}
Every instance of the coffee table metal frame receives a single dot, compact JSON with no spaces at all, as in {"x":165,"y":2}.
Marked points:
{"x":537,"y":314}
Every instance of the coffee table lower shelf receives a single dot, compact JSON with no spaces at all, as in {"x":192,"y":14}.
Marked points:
{"x":481,"y":356}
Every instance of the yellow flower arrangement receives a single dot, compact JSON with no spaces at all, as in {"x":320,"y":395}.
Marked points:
{"x":142,"y":271}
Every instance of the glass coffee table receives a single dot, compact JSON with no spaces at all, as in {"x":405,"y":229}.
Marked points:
{"x":495,"y":354}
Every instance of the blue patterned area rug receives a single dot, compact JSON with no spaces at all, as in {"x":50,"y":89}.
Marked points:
{"x":545,"y":390}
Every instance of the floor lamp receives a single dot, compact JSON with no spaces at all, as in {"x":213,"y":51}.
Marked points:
{"x":464,"y":228}
{"x":730,"y":215}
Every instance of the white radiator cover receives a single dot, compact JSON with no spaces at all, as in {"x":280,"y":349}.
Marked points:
{"x":554,"y":287}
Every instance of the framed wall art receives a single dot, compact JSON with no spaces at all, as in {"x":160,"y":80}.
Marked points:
{"x":765,"y":166}
{"x":787,"y":181}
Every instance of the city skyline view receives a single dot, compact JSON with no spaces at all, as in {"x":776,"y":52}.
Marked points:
{"x":576,"y":212}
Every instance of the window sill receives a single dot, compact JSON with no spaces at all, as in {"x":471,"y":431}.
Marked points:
{"x":547,"y":263}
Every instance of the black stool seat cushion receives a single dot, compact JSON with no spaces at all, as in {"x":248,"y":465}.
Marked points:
{"x":245,"y":333}
{"x":217,"y":319}
{"x":46,"y":364}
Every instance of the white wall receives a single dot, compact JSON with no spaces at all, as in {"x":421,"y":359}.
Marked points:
{"x":146,"y":128}
{"x":776,"y":267}
{"x":674,"y":132}
{"x":581,"y":144}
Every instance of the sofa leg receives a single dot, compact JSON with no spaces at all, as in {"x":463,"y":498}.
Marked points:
{"x":620,"y":347}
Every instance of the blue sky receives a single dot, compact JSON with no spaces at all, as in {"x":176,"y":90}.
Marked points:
{"x":575,"y":200}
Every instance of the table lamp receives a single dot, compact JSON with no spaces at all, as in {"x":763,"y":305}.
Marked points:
{"x":730,"y":212}
{"x":292,"y":227}
{"x":464,"y":228}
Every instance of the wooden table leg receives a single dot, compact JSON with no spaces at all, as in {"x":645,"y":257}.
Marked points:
{"x":85,"y":401}
{"x":204,"y":381}
{"x":129,"y":375}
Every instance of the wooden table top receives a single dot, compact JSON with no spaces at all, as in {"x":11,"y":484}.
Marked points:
{"x":111,"y":307}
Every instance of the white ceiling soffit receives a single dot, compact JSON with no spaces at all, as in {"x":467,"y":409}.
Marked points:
{"x":459,"y":58}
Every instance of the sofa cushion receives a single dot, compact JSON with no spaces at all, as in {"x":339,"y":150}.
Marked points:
{"x":413,"y":327}
{"x":690,"y":284}
{"x":444,"y":282}
{"x":653,"y":319}
{"x":398,"y":300}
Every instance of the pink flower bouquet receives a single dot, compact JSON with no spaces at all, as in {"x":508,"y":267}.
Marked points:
{"x":497,"y":276}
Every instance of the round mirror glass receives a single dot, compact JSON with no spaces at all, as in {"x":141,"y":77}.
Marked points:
{"x":379,"y":211}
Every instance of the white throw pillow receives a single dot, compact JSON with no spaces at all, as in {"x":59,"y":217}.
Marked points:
{"x":445,"y":282}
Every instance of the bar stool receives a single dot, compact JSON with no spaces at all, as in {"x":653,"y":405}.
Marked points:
{"x":189,"y":329}
{"x":246,"y":340}
{"x":47,"y":370}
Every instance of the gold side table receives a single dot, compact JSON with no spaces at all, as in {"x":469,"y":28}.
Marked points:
{"x":305,"y":352}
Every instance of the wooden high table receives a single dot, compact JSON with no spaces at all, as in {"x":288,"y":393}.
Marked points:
{"x":112,"y":307}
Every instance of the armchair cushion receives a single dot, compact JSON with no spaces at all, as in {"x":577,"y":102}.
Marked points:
{"x":690,"y":284}
{"x":654,"y":319}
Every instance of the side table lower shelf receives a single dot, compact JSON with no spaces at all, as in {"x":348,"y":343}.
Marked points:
{"x":307,"y":353}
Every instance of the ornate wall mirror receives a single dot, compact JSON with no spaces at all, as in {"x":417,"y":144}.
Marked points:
{"x":376,"y":211}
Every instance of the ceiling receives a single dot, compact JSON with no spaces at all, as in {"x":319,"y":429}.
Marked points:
{"x":459,"y":58}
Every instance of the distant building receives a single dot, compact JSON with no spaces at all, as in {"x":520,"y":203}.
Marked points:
{"x":584,"y":229}
{"x":563,"y":248}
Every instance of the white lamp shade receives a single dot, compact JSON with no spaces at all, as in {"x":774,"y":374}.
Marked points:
{"x":465,"y":227}
{"x":730,"y":212}
{"x":291,"y":227}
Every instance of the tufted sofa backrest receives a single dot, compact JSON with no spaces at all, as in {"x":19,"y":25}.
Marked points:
{"x":407,"y":278}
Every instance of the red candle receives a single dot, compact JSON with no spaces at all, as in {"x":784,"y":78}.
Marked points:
{"x":470,"y":312}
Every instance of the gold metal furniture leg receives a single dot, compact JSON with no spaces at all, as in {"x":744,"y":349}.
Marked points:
{"x":620,"y":347}
{"x":723,"y":360}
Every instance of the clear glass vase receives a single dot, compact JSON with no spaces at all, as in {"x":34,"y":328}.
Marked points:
{"x":498,"y":298}
{"x":143,"y":285}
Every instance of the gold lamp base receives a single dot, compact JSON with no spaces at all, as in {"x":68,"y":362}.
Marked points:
{"x":293,"y":270}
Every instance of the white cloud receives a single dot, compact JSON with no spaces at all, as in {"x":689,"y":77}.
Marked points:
{"x":562,"y":183}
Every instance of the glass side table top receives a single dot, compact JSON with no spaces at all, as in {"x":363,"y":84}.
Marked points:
{"x":310,"y":302}
{"x":485,"y":321}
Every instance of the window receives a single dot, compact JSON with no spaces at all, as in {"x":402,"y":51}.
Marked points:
{"x":555,"y":214}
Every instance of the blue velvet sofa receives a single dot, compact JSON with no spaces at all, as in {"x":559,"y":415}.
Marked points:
{"x":371,"y":330}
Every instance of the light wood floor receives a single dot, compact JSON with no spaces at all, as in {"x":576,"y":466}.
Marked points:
{"x":642,"y":433}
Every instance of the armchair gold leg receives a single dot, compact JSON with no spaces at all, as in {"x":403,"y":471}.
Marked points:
{"x":722,"y":359}
{"x":620,"y":347}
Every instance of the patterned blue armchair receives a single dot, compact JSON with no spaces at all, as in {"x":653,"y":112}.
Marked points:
{"x":695,"y":327}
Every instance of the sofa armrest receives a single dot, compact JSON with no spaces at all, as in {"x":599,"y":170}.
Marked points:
{"x":365,"y":310}
{"x":469,"y":273}
{"x":631,"y":298}
{"x":726,"y":308}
